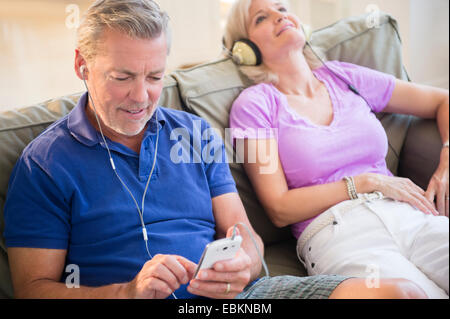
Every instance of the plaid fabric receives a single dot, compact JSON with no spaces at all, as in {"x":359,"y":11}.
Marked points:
{"x":290,"y":287}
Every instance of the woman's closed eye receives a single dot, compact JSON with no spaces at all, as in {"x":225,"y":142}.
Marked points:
{"x":260,"y":19}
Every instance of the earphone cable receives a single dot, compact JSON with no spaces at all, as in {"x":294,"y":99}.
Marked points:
{"x":351,"y":88}
{"x":140,"y":212}
{"x":109,"y":152}
{"x":266,"y":269}
{"x":154,"y":163}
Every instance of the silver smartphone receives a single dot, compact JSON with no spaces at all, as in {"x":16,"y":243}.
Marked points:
{"x":219,"y":250}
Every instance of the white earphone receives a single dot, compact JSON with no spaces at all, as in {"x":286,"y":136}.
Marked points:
{"x":139,"y":209}
{"x":82,"y":70}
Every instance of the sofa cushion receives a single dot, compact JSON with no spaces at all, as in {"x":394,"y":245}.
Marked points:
{"x":421,"y":152}
{"x":351,"y":40}
{"x":17,"y":129}
{"x":281,"y":259}
{"x":209,"y":91}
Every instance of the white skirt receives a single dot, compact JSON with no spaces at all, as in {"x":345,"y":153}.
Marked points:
{"x":373,"y":238}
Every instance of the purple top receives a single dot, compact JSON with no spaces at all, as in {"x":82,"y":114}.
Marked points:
{"x":354,"y":143}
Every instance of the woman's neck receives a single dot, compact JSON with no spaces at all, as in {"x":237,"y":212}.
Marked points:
{"x":295,"y":76}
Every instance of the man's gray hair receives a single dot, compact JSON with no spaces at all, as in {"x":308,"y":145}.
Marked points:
{"x":139,"y":19}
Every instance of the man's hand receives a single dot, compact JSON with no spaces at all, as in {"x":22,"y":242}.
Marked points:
{"x":226,"y":279}
{"x":160,"y":277}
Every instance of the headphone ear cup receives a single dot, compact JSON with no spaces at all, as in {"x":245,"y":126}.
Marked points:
{"x":245,"y":52}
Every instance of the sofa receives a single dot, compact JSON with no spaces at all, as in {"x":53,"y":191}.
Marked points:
{"x":209,"y":89}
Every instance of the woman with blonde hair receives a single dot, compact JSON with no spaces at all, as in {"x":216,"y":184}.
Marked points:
{"x":351,"y":216}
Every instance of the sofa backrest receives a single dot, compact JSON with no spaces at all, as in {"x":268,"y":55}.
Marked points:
{"x":209,"y":90}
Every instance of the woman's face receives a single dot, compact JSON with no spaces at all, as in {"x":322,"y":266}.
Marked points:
{"x":273,"y":29}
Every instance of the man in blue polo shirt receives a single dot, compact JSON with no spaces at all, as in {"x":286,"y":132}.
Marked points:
{"x":103,"y":195}
{"x":67,"y":207}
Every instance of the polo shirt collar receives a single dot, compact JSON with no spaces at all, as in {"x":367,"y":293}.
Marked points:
{"x":82,"y":130}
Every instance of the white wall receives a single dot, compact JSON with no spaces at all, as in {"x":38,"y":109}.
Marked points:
{"x":196,"y":30}
{"x":423,"y":24}
{"x":37,"y":47}
{"x":36,"y":52}
{"x":429,"y":42}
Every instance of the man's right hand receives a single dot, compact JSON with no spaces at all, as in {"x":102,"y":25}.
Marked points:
{"x":160,"y":277}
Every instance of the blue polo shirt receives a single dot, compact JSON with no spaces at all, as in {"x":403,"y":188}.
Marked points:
{"x":63,"y":194}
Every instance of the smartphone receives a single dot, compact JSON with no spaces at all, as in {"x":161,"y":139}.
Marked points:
{"x":219,"y":250}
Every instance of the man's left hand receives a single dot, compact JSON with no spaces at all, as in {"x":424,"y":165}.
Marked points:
{"x":225,"y":280}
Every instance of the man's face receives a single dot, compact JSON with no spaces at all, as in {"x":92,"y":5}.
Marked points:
{"x":125,"y":81}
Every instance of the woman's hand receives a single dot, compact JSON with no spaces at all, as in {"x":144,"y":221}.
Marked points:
{"x":400,"y":189}
{"x":438,"y":188}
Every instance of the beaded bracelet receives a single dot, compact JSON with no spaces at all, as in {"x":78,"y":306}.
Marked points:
{"x":351,"y":188}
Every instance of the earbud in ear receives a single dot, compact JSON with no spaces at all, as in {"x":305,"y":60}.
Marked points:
{"x":82,"y":70}
{"x":245,"y":52}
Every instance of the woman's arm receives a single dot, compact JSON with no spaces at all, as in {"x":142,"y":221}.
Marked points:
{"x":421,"y":101}
{"x":285,"y":207}
{"x":429,"y":103}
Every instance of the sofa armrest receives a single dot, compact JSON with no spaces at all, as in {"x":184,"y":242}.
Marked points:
{"x":420,"y":155}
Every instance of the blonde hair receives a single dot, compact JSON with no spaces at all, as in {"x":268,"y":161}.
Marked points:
{"x":236,"y":29}
{"x":141,"y":19}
